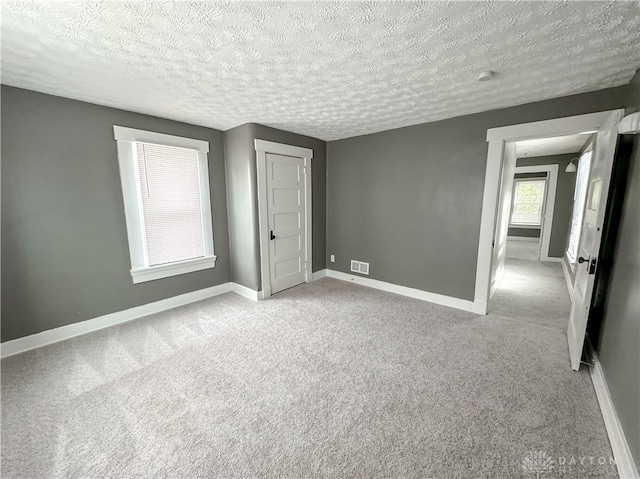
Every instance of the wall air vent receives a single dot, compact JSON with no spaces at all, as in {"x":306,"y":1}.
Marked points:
{"x":359,"y":267}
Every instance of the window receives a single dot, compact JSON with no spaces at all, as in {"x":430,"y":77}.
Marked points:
{"x":165,"y":186}
{"x":528,"y":203}
{"x":579,"y":199}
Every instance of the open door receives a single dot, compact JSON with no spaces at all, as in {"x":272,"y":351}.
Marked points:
{"x":502,"y":220}
{"x":591,"y":235}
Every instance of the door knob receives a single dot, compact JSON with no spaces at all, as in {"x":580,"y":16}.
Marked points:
{"x":272,"y":236}
{"x":581,"y":260}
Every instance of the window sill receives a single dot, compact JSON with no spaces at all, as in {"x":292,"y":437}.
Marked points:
{"x":526,"y":227}
{"x":172,"y":269}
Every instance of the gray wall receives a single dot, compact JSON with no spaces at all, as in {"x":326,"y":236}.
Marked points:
{"x":563,"y":201}
{"x":409,"y":200}
{"x":240,"y":157}
{"x":619,"y":342}
{"x":65,"y":255}
{"x":242,"y":206}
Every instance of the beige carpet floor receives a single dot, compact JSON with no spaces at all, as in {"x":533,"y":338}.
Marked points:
{"x":324,"y":380}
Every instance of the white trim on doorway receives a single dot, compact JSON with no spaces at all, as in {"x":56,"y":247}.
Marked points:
{"x":552,"y":178}
{"x":497,"y":138}
{"x":262,"y":148}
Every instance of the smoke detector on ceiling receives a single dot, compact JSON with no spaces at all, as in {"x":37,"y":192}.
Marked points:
{"x":486,"y":75}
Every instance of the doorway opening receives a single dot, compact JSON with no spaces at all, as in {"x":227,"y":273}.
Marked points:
{"x":522,"y":199}
{"x":531,"y":287}
{"x":542,"y":201}
{"x":532,"y":210}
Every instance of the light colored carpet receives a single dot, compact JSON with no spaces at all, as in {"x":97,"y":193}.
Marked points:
{"x":325,"y":380}
{"x":524,"y":249}
{"x":533,"y":292}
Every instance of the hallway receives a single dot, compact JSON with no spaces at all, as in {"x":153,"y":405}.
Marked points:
{"x":533,"y":292}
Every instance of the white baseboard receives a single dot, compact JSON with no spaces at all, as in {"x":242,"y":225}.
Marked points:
{"x":319,"y":274}
{"x":480,"y":307}
{"x":523,"y":238}
{"x":246,"y":292}
{"x":621,"y":453}
{"x":404,"y":290}
{"x":20,"y":345}
{"x":551,"y":259}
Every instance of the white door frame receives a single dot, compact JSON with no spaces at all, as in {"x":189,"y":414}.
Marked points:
{"x":262,"y":148}
{"x":497,"y":137}
{"x":549,"y":204}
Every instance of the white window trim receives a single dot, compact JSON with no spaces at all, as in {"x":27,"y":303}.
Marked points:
{"x":129,"y":175}
{"x":531,"y":226}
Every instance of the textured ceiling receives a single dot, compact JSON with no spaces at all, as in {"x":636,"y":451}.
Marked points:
{"x":326,"y":69}
{"x":558,"y":145}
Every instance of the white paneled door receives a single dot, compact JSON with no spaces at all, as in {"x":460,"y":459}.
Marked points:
{"x":590,"y":235}
{"x":286,"y":219}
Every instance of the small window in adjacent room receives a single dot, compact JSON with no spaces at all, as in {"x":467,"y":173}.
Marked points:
{"x":528,"y":203}
{"x":165,"y":186}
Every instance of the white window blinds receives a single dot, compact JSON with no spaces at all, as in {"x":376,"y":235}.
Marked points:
{"x":528,"y":203}
{"x":171,"y":204}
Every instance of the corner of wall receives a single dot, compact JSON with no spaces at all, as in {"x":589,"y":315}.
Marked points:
{"x":241,"y":205}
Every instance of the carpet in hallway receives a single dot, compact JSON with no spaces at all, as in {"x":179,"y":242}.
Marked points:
{"x":533,"y":292}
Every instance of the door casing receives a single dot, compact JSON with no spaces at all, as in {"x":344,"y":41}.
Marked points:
{"x":497,"y":138}
{"x":263,"y":147}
